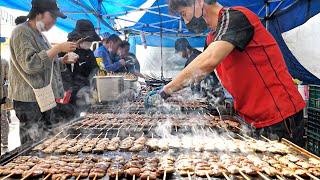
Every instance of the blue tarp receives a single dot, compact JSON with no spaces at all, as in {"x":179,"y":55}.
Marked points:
{"x":287,"y":14}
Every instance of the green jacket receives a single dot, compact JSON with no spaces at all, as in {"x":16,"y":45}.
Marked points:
{"x":28,"y":50}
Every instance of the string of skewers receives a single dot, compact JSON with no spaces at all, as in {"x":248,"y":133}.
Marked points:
{"x":111,"y":120}
{"x":204,"y":165}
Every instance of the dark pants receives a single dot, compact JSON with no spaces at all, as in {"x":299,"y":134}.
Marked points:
{"x":4,"y":127}
{"x":291,"y":129}
{"x":34,"y":125}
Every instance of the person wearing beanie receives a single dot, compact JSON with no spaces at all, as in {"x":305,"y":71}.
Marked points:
{"x":32,"y":61}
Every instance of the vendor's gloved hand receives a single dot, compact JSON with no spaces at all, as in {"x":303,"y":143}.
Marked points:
{"x":155,"y":97}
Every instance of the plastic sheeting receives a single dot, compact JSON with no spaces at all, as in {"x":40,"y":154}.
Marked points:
{"x":304,"y":43}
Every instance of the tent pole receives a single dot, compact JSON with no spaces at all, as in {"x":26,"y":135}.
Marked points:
{"x":100,"y":16}
{"x":162,"y":77}
{"x":267,"y":14}
{"x":276,"y":9}
{"x":147,"y":10}
{"x":145,"y":25}
{"x":135,"y":10}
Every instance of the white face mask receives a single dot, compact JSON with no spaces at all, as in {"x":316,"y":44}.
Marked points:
{"x":40,"y":26}
{"x":85,"y":45}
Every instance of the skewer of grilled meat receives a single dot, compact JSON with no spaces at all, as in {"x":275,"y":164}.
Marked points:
{"x":216,"y":166}
{"x":202,"y":167}
{"x":101,"y":145}
{"x":45,"y":144}
{"x":78,"y":146}
{"x":284,"y":166}
{"x":134,"y":165}
{"x":90,"y":145}
{"x":127,"y":143}
{"x":99,"y":170}
{"x":230,"y":164}
{"x":117,"y":167}
{"x":138,"y":144}
{"x":166,"y":165}
{"x":152,"y":144}
{"x":19,"y":165}
{"x":184,"y":165}
{"x":113,"y":144}
{"x":37,"y":170}
{"x":150,"y":168}
{"x":62,"y":149}
{"x":53,"y":146}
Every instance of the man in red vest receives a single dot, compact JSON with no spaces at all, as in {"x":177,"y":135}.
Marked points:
{"x":249,"y":64}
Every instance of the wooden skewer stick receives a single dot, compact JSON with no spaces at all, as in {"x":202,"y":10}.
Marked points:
{"x":150,"y":128}
{"x":117,"y":176}
{"x":77,"y":136}
{"x":99,"y":135}
{"x":25,"y":177}
{"x":280,"y":178}
{"x":298,"y":148}
{"x":110,"y":128}
{"x":45,"y":178}
{"x":312,"y":176}
{"x":88,"y":135}
{"x":96,"y":126}
{"x":230,"y":136}
{"x":95,"y":176}
{"x":189,"y":176}
{"x":104,"y":127}
{"x":80,"y":126}
{"x":244,"y":175}
{"x":105,"y":136}
{"x":208,"y":176}
{"x":148,"y":178}
{"x":164,"y":175}
{"x":7,"y":176}
{"x":211,"y":129}
{"x":263,"y":176}
{"x":134,"y":177}
{"x":242,"y":137}
{"x":298,"y":177}
{"x":118,"y":132}
{"x":78,"y":177}
{"x":267,"y":139}
{"x":226,"y":176}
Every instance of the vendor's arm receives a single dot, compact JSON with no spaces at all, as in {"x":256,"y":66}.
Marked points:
{"x":234,"y":32}
{"x":201,"y":66}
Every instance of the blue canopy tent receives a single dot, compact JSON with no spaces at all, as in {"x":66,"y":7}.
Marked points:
{"x":162,"y":28}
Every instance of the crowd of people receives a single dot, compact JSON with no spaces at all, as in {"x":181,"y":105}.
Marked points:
{"x":238,"y":47}
{"x":67,"y":68}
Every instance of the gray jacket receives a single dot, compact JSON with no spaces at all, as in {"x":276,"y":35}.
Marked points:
{"x":28,"y":50}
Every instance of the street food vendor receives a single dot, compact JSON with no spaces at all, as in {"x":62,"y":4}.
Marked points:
{"x":132,"y":63}
{"x":249,"y":64}
{"x":108,"y":53}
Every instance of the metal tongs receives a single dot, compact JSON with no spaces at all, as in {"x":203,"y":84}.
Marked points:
{"x":82,"y":40}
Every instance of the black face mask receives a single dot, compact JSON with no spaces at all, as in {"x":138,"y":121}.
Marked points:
{"x":197,"y":25}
